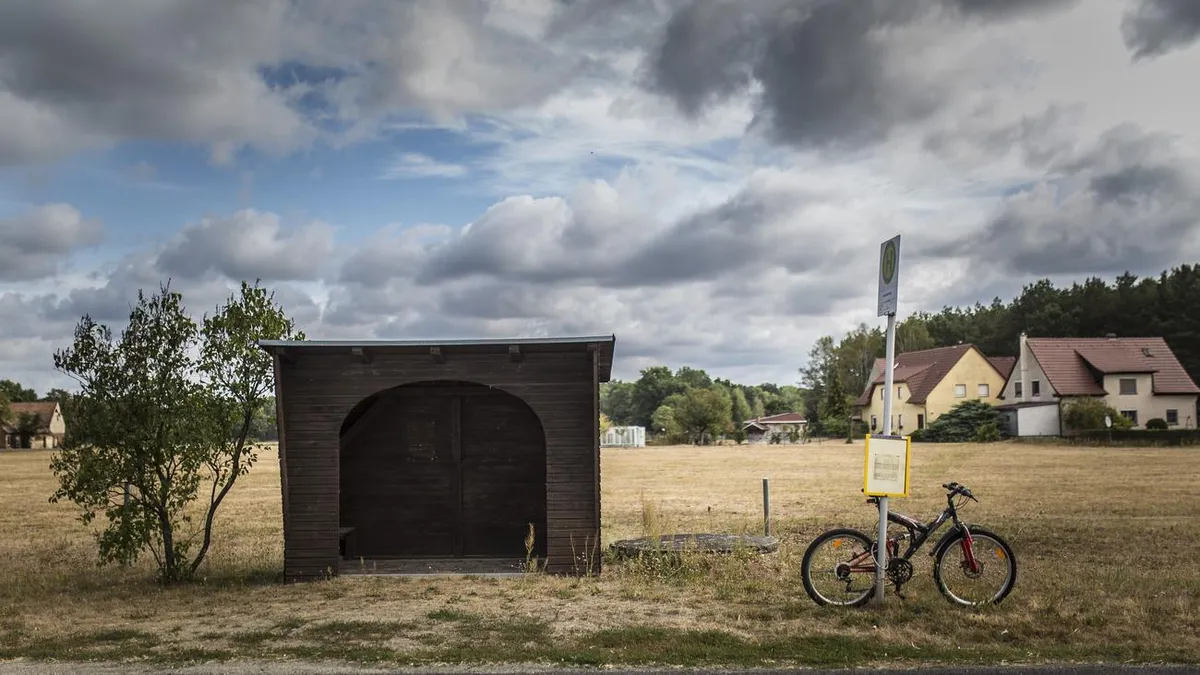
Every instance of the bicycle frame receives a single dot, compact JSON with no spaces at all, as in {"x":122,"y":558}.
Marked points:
{"x":918,"y":534}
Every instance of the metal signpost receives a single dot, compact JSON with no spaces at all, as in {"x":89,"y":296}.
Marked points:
{"x":889,"y":282}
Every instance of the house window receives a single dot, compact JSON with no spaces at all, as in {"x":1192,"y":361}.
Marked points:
{"x":1130,"y":415}
{"x":960,"y":391}
{"x":1017,"y":389}
{"x":1128,"y":386}
{"x":1173,"y":417}
{"x":920,"y":421}
{"x":1036,"y":389}
{"x":984,"y":391}
{"x":900,"y":419}
{"x":882,"y":391}
{"x":899,"y":392}
{"x":874,"y":422}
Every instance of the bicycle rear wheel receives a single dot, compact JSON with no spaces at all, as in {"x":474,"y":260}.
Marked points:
{"x":992,"y":583}
{"x":838,"y":568}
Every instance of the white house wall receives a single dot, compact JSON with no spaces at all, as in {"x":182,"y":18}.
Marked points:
{"x":1039,"y":420}
{"x":1148,"y":404}
{"x":1032,"y":371}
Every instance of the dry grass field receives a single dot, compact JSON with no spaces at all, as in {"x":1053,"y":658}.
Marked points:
{"x":1105,"y":541}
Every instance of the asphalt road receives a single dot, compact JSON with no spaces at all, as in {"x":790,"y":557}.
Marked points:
{"x":22,"y":667}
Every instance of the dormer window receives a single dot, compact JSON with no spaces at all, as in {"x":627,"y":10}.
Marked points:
{"x":1146,"y":352}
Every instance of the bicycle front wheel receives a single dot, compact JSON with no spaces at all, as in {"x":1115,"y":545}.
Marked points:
{"x":997,"y":569}
{"x":838,"y":568}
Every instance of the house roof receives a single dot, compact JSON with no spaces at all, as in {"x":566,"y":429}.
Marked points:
{"x":43,"y":409}
{"x":1074,"y":366}
{"x":781,"y":418}
{"x":920,"y":370}
{"x":1004,"y":364}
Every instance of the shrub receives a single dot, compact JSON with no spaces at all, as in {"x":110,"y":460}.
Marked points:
{"x":1157,"y":424}
{"x":988,"y":432}
{"x":968,"y":421}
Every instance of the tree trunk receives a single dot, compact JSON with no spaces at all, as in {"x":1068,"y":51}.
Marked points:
{"x":170,"y":564}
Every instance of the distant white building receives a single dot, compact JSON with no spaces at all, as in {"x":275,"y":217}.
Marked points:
{"x":784,"y":428}
{"x":624,"y":437}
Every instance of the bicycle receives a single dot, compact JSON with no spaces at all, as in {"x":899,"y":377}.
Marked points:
{"x":855,"y":565}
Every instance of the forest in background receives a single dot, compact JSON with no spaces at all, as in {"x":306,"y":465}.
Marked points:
{"x":690,"y":406}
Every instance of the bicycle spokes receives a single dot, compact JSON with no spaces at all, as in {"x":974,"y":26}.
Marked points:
{"x":976,"y":571}
{"x":841,"y":569}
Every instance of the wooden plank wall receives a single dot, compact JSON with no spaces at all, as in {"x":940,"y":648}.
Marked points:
{"x":317,"y":391}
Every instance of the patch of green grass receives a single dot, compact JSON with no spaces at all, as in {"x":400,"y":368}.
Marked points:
{"x":349,"y":653}
{"x":450,"y":615}
{"x":254,"y":638}
{"x":113,"y":635}
{"x":114,"y":644}
{"x":289,"y":624}
{"x":364,"y":631}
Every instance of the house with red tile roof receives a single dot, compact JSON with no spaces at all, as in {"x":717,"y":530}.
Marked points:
{"x":1139,"y":377}
{"x":930,"y":382}
{"x":781,"y":428}
{"x":46,"y":426}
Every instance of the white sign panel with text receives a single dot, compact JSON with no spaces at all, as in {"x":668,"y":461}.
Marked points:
{"x":885,"y":473}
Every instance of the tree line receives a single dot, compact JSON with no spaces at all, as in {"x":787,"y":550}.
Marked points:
{"x":1164,"y":306}
{"x":688,"y":405}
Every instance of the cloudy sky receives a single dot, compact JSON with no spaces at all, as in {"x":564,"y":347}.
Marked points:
{"x":709,"y":181}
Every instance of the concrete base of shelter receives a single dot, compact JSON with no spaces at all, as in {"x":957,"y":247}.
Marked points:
{"x":434,"y":567}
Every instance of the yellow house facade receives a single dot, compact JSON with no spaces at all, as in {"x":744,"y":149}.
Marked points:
{"x":930,"y":382}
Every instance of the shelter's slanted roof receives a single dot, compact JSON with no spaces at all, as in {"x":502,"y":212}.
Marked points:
{"x":602,"y":344}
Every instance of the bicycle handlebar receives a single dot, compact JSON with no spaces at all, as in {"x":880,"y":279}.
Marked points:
{"x":956,"y":489}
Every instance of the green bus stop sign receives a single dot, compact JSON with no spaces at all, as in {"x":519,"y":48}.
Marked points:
{"x":888,"y":262}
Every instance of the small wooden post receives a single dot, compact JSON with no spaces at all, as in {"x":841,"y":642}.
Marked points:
{"x":766,"y":507}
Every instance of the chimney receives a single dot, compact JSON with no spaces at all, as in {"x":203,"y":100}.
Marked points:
{"x":1023,"y":357}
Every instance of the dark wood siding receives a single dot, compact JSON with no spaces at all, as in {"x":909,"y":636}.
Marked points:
{"x":398,"y":479}
{"x":318,"y":391}
{"x":503,"y":476}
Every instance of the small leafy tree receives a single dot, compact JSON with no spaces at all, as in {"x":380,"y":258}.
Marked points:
{"x":663,"y":422}
{"x":163,"y":412}
{"x":703,"y":414}
{"x":605,"y":424}
{"x":27,"y":426}
{"x":834,"y":407}
{"x":5,"y":412}
{"x":1088,"y":413}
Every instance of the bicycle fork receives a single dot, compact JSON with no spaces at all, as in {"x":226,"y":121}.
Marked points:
{"x":969,"y":551}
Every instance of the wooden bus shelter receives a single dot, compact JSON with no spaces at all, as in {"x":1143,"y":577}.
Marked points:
{"x":428,"y":456}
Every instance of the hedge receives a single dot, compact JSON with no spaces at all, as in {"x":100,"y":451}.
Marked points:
{"x":1137,"y":437}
